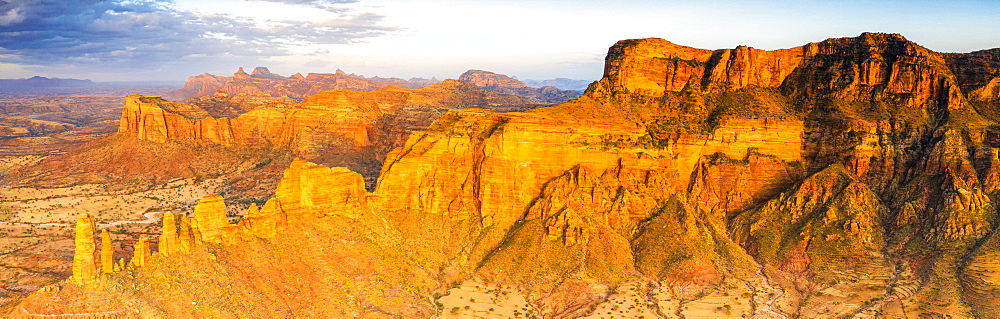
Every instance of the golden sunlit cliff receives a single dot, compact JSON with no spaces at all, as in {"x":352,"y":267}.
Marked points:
{"x":852,"y":177}
{"x":297,"y":86}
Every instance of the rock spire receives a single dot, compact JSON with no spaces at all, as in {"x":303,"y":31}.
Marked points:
{"x":84,"y":264}
{"x":107,"y":253}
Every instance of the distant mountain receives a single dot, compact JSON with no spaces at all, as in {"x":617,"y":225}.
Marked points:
{"x":504,"y":84}
{"x":560,"y":83}
{"x":40,"y":84}
{"x":850,"y":177}
{"x":44,"y":85}
{"x":297,"y":86}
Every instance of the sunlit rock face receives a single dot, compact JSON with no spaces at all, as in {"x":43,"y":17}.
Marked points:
{"x":297,"y":86}
{"x":848,"y":177}
{"x":337,"y":127}
{"x":504,"y":84}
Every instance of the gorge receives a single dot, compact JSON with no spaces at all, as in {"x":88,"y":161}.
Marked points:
{"x":852,"y":177}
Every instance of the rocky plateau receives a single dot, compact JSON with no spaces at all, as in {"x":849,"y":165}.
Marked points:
{"x":852,"y":177}
{"x":297,"y":86}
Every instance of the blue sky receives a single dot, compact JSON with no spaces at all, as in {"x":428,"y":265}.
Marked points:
{"x":125,"y":40}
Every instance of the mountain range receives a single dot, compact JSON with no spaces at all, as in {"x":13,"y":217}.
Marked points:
{"x":851,"y":177}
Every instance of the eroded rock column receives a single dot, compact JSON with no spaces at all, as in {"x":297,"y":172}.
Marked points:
{"x":84,"y":264}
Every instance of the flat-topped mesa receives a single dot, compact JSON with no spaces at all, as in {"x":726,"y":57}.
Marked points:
{"x":486,"y":79}
{"x":84,"y":261}
{"x":847,"y":189}
{"x":337,"y":127}
{"x":654,"y":66}
{"x":339,"y":114}
{"x":504,"y":84}
{"x":221,"y":104}
{"x":154,"y":119}
{"x":845,"y":68}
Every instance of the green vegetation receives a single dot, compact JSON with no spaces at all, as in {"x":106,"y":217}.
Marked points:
{"x":692,"y":63}
{"x":718,"y":158}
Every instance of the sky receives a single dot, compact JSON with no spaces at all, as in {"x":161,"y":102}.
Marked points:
{"x":169,"y":40}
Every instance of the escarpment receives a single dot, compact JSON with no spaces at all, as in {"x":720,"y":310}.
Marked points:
{"x":346,"y":128}
{"x":848,"y":177}
{"x":297,"y":86}
{"x":504,"y":84}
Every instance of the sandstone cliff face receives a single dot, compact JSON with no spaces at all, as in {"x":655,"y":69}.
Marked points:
{"x":261,"y":80}
{"x":348,"y":128}
{"x":504,"y":84}
{"x":200,"y":85}
{"x":485,"y":79}
{"x":849,"y":177}
{"x":210,"y":218}
{"x":84,"y":262}
{"x":221,"y":104}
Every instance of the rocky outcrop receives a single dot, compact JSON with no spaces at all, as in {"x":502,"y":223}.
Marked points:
{"x":848,"y":177}
{"x":221,"y":104}
{"x":159,"y":120}
{"x":265,"y":222}
{"x":84,"y":261}
{"x":504,"y":84}
{"x":107,"y":253}
{"x":141,"y":252}
{"x":263,"y":73}
{"x":261,"y":80}
{"x":200,"y":85}
{"x":338,"y":127}
{"x":210,"y":218}
{"x":489,"y":79}
{"x":317,"y":190}
{"x":560,"y":83}
{"x":168,"y":234}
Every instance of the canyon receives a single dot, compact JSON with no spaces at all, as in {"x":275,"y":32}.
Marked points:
{"x":852,"y":177}
{"x":113,"y":162}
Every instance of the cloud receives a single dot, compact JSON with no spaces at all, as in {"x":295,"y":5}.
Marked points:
{"x":328,"y":5}
{"x":313,"y":2}
{"x":130,"y":34}
{"x":316,"y":63}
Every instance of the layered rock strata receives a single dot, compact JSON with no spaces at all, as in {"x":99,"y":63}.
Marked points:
{"x":851,"y":177}
{"x":347,"y":128}
{"x":297,"y":86}
{"x":84,"y":261}
{"x":504,"y":84}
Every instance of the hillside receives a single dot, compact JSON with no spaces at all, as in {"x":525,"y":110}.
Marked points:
{"x":297,"y":86}
{"x":852,"y":177}
{"x":203,"y":138}
{"x":504,"y":84}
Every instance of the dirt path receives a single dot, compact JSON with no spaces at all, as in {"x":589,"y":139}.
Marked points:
{"x":767,"y":309}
